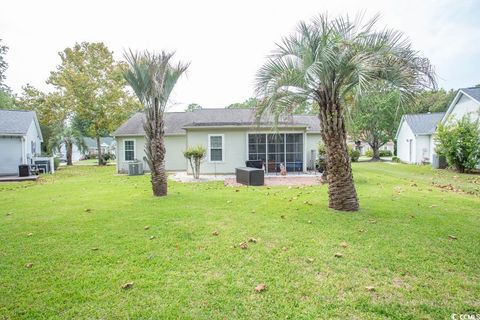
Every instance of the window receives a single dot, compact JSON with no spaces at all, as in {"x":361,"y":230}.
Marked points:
{"x":215,"y":147}
{"x":274,"y":149}
{"x":129,"y":150}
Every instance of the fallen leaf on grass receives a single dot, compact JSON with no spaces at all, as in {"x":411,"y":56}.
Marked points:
{"x":88,"y":210}
{"x":30,"y":234}
{"x":370,"y":288}
{"x":338,"y":255}
{"x":9,"y":213}
{"x":95,"y":249}
{"x":29,"y":265}
{"x":452,"y":237}
{"x":433,"y":206}
{"x":253,"y":211}
{"x":282,"y":216}
{"x":343,"y":244}
{"x":215,"y":233}
{"x":309,"y":221}
{"x":146,"y":227}
{"x":152,"y":237}
{"x":127,"y":285}
{"x":309,"y":260}
{"x":253,"y":240}
{"x":372,"y":221}
{"x":261,"y":287}
{"x":229,"y":201}
{"x":243,"y":245}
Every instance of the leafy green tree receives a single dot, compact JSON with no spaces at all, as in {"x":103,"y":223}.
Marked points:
{"x":152,"y":78}
{"x":374,"y":118}
{"x":459,"y":142}
{"x":93,"y":81}
{"x":324,"y":61}
{"x":250,"y":103}
{"x":192,"y":107}
{"x":66,"y":136}
{"x":430,"y":101}
{"x":7,"y":100}
{"x":3,"y":66}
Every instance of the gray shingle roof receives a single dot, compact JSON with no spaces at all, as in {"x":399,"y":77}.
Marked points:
{"x":16,"y":122}
{"x":424,"y":123}
{"x":473,"y":92}
{"x":175,"y":122}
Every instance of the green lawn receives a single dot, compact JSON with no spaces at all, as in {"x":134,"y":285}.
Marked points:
{"x":398,"y":243}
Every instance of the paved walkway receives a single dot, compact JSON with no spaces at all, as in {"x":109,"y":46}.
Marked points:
{"x":270,"y":180}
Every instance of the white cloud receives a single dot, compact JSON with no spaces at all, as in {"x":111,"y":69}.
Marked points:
{"x":225,"y":41}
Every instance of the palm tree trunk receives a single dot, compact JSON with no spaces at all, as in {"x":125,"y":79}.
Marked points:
{"x":376,"y":149}
{"x":341,"y":190}
{"x":69,"y":153}
{"x":159,"y":174}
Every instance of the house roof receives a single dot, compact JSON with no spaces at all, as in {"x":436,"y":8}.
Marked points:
{"x":17,"y":122}
{"x":177,"y":122}
{"x":92,"y":143}
{"x":423,"y":123}
{"x":472,"y":92}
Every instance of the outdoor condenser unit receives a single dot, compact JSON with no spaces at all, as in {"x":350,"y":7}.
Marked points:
{"x":135,"y":168}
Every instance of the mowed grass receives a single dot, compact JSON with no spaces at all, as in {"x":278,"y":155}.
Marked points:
{"x":398,"y":244}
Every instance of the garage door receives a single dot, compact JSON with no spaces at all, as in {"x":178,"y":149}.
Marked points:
{"x":10,"y":155}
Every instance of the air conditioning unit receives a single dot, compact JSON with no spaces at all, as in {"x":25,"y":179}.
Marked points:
{"x":135,"y":168}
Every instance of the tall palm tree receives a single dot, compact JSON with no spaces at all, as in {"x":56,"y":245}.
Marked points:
{"x":67,"y":137}
{"x":152,"y":78}
{"x":321,"y":63}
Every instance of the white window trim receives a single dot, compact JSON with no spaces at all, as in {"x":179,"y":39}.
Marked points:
{"x":223,"y":148}
{"x":134,"y":150}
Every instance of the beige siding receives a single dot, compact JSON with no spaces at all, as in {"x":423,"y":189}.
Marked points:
{"x":234,"y":144}
{"x":174,"y":146}
{"x":312,"y":148}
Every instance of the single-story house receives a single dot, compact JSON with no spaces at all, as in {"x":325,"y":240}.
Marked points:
{"x":415,"y":142}
{"x":231,"y":136}
{"x":415,"y":134}
{"x":20,"y":140}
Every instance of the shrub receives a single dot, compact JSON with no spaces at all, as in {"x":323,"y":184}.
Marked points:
{"x":322,"y":151}
{"x":354,"y":154}
{"x":369,"y":153}
{"x":195,"y":156}
{"x":56,"y":163}
{"x":459,"y":143}
{"x":396,"y":159}
{"x":385,"y":153}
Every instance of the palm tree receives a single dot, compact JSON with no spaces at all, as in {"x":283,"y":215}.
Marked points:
{"x":152,"y":78}
{"x":321,"y":63}
{"x":66,"y":136}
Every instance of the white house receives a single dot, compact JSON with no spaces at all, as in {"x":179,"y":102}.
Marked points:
{"x":20,"y":140}
{"x":415,"y":134}
{"x":415,"y":137}
{"x":231,"y":136}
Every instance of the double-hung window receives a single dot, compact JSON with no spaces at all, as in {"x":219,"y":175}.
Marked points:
{"x":216,"y":148}
{"x":129,"y":150}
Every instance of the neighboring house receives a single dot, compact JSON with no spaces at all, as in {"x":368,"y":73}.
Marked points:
{"x":363,"y":146}
{"x":107,"y":144}
{"x":20,"y":139}
{"x":415,"y":135}
{"x":415,"y":143}
{"x":231,"y":136}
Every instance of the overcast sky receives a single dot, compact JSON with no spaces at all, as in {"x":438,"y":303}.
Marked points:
{"x":225,"y":41}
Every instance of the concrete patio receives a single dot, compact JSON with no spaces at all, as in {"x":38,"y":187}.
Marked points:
{"x":17,"y":178}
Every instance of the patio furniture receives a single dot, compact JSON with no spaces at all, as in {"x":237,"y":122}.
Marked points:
{"x":257,"y":164}
{"x":250,"y":176}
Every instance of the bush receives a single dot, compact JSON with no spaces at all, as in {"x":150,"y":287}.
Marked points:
{"x":396,"y":159}
{"x":385,"y":153}
{"x":354,"y":154}
{"x":56,"y":163}
{"x":459,"y":143}
{"x":369,"y":153}
{"x":195,"y":156}
{"x":321,"y":150}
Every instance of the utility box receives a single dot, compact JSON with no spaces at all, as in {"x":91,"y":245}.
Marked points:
{"x":439,"y":162}
{"x":135,"y":168}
